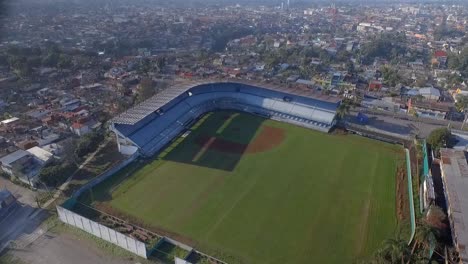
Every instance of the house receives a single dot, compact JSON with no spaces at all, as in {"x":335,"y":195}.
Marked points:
{"x":70,"y":104}
{"x":428,"y":109}
{"x":430,"y":93}
{"x":83,"y":126}
{"x":441,"y":57}
{"x":375,"y":85}
{"x":373,"y":103}
{"x":9,"y":121}
{"x":22,"y":165}
{"x":27,"y":144}
{"x":80,"y":129}
{"x":305,"y":82}
{"x":42,"y":156}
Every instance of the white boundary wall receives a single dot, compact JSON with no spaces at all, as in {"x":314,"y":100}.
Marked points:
{"x":103,"y":232}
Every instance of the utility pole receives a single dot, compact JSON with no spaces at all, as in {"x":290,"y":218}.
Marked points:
{"x":464,"y":120}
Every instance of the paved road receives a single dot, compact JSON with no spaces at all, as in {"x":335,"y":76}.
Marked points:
{"x":404,"y":125}
{"x":23,"y":195}
{"x":65,"y":248}
{"x":23,"y":221}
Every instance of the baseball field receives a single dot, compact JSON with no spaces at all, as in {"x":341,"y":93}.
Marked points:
{"x":251,"y":190}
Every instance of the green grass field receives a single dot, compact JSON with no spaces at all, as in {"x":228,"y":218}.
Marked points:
{"x":312,"y":198}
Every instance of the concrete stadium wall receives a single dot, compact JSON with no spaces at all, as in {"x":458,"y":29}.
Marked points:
{"x":103,"y":232}
{"x":177,"y":243}
{"x":181,"y":261}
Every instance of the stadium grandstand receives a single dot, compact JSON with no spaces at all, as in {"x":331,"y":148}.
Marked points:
{"x":150,"y":126}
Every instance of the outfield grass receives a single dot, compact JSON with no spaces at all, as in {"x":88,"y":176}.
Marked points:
{"x":314,"y":198}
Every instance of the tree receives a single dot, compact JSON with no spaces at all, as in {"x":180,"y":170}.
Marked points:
{"x":160,"y":63}
{"x":51,"y":60}
{"x":395,"y":250}
{"x":343,"y":109}
{"x":89,"y":143}
{"x":459,"y":62}
{"x":462,"y":103}
{"x":64,"y":62}
{"x":390,"y":46}
{"x":350,"y":67}
{"x":145,"y":67}
{"x":423,"y":236}
{"x":390,"y":75}
{"x":436,"y":218}
{"x":439,"y":138}
{"x":145,"y":89}
{"x":56,"y":173}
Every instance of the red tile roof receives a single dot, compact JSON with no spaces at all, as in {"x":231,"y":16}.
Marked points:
{"x":440,"y":53}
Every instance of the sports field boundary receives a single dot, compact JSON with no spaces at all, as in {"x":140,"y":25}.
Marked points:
{"x":130,"y":242}
{"x":410,"y":196}
{"x":114,"y":170}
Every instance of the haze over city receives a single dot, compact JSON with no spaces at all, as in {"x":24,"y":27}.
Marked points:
{"x":219,"y":131}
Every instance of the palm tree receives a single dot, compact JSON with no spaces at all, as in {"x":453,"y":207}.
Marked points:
{"x":343,"y":109}
{"x":423,"y":237}
{"x":395,"y":250}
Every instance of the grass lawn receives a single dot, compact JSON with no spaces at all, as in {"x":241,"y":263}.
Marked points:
{"x":312,"y":198}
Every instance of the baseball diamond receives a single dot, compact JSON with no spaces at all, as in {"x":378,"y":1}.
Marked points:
{"x":246,"y":174}
{"x":261,"y":191}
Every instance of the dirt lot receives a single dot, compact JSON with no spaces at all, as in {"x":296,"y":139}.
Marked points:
{"x":65,"y":248}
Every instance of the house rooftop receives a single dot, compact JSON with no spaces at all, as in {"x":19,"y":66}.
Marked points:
{"x":9,"y":159}
{"x":8,"y":121}
{"x":429,"y":91}
{"x":41,"y":154}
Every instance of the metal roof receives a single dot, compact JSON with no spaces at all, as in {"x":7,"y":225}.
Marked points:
{"x":144,"y":109}
{"x":10,"y":158}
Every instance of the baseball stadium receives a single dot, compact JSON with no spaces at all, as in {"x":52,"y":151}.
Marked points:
{"x":251,"y":174}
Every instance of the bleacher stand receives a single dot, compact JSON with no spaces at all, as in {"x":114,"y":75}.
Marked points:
{"x":152,"y":125}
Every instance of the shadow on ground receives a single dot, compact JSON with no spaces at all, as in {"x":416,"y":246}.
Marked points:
{"x":19,"y":228}
{"x":229,"y":131}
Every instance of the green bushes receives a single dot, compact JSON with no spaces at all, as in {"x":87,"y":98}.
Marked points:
{"x":56,"y":173}
{"x":439,"y":138}
{"x":89,"y":143}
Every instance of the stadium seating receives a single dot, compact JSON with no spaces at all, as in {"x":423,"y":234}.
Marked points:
{"x":153,"y":132}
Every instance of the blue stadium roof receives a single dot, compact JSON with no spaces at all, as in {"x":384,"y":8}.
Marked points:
{"x":146,"y":108}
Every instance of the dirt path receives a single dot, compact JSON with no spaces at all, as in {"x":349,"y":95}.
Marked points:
{"x":67,"y":182}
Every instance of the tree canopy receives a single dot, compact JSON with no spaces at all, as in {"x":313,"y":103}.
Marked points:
{"x":439,"y":138}
{"x":88,"y":143}
{"x":387,"y":45}
{"x":459,"y":62}
{"x":56,"y":173}
{"x":390,"y":75}
{"x":462,"y":103}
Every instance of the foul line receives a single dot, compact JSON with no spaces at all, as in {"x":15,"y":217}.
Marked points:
{"x":202,"y":151}
{"x":226,"y":123}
